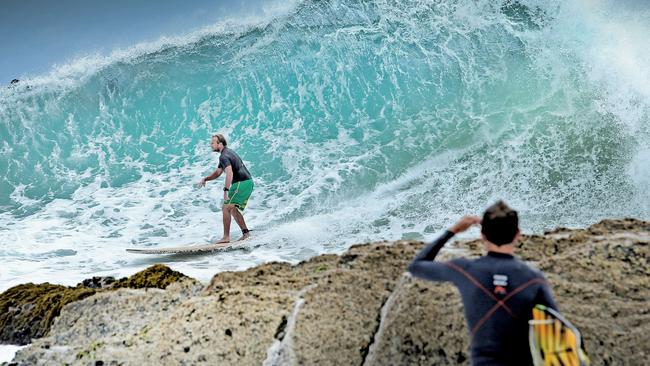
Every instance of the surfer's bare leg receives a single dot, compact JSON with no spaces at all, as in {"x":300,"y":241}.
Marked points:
{"x":227,"y":216}
{"x":239,"y":218}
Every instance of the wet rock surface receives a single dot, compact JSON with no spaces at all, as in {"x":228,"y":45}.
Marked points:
{"x":357,"y":308}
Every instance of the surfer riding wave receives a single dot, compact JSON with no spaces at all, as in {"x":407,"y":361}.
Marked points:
{"x":237,"y":188}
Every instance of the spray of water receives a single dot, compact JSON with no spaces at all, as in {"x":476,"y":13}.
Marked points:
{"x":360,"y":120}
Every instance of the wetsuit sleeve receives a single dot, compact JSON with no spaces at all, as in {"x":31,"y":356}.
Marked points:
{"x":424,"y":266}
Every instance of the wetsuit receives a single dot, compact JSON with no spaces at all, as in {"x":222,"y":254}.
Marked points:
{"x":498,"y":293}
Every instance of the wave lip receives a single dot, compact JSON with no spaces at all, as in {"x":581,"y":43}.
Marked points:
{"x":76,"y":72}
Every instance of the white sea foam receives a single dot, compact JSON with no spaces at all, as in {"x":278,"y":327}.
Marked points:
{"x":336,"y":161}
{"x":8,"y":352}
{"x":616,"y":51}
{"x":610,"y":37}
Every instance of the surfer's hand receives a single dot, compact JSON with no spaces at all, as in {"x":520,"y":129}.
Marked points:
{"x":464,"y":224}
{"x":201,"y":183}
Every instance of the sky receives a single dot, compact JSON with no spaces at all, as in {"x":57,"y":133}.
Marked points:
{"x":37,"y":34}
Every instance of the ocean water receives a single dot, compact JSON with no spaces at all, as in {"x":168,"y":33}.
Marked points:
{"x":359,"y":120}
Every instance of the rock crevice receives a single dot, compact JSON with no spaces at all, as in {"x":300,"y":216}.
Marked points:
{"x":281,"y":351}
{"x":369,"y":354}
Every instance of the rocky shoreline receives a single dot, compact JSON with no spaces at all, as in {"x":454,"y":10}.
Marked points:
{"x":357,"y":308}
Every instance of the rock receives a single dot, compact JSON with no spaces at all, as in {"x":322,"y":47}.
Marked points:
{"x":27,"y":311}
{"x":86,"y":328}
{"x":97,"y":282}
{"x":357,"y":308}
{"x":424,"y":325}
{"x":156,"y":276}
{"x":341,"y":313}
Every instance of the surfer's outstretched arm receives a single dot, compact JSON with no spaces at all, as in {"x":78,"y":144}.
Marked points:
{"x":212,"y":176}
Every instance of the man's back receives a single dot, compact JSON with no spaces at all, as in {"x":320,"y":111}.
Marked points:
{"x":498,"y":292}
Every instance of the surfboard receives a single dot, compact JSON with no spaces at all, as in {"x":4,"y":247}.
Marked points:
{"x":205,"y":248}
{"x":554,"y":341}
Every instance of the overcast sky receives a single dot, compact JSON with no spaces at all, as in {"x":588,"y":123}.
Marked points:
{"x":36,"y":34}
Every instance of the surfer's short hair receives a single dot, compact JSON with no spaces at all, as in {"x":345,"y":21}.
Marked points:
{"x":500,"y":224}
{"x":220,"y":138}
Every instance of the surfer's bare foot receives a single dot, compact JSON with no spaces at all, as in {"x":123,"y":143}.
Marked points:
{"x":245,"y":237}
{"x":223,"y":241}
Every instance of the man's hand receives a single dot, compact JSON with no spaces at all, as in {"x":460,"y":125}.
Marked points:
{"x":464,"y":224}
{"x":225,"y":195}
{"x":201,"y":183}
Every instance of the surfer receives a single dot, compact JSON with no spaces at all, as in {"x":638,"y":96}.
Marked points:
{"x":498,"y":290}
{"x":237,"y":188}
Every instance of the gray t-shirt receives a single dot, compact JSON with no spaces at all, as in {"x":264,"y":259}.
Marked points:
{"x":230,"y":158}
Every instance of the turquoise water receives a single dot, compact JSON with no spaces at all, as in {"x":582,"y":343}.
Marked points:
{"x":360,"y":121}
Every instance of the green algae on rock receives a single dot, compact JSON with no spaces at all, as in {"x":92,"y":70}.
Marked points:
{"x":27,"y":311}
{"x":156,"y":276}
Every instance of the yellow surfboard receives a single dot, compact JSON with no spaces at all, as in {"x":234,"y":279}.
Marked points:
{"x":554,"y":341}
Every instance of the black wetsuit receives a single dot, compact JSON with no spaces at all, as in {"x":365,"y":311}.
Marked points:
{"x":230,"y":158}
{"x":498,"y":293}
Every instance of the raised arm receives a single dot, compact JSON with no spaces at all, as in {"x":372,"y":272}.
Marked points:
{"x":424,"y":266}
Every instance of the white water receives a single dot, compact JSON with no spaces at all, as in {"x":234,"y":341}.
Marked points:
{"x":8,"y":352}
{"x":379,"y":144}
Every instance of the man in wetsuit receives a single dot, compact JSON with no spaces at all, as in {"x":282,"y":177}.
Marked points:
{"x":498,"y":290}
{"x":237,"y":188}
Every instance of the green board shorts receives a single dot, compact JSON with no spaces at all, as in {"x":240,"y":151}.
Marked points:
{"x":239,"y":194}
